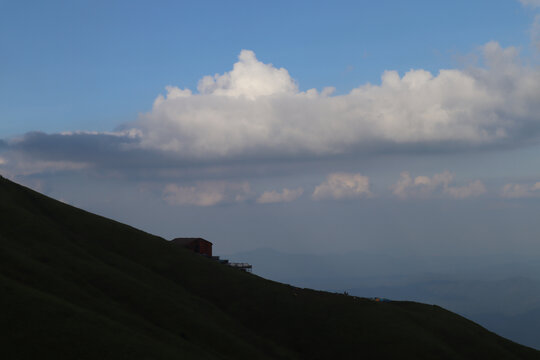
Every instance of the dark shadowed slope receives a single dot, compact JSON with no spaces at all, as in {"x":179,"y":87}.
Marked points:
{"x":77,"y":285}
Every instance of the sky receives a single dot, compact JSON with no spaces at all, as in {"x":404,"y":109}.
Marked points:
{"x":306,"y":126}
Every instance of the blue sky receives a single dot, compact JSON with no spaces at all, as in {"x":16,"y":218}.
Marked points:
{"x":261,"y":124}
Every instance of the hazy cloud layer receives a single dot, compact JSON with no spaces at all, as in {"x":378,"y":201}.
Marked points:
{"x":343,"y":186}
{"x":36,"y":152}
{"x":286,"y":195}
{"x":515,"y":191}
{"x":424,"y":186}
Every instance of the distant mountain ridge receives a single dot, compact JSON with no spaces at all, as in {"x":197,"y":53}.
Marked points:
{"x":74,"y":285}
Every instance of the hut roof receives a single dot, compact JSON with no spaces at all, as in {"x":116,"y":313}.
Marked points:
{"x":187,"y":241}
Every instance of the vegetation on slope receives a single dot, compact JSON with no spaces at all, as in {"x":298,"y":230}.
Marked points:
{"x":77,"y":285}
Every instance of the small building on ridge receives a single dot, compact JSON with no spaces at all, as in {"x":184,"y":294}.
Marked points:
{"x":204,"y":247}
{"x":198,"y":245}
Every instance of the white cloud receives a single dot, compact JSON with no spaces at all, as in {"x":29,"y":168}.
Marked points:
{"x":285,"y":195}
{"x":533,"y":3}
{"x":341,"y":186}
{"x":256,"y":109}
{"x":472,"y":189}
{"x":206,"y":193}
{"x":535,"y":27}
{"x":250,"y":79}
{"x":423,"y":186}
{"x":535,"y":31}
{"x":402,"y":187}
{"x":128,"y":134}
{"x":515,"y":191}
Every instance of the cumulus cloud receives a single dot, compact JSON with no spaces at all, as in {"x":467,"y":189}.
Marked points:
{"x":249,"y":78}
{"x":256,"y":111}
{"x":206,"y":193}
{"x":515,"y":191}
{"x":423,"y":186}
{"x":285,"y":195}
{"x":342,"y":186}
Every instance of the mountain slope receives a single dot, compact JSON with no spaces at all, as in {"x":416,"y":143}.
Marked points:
{"x":77,"y":285}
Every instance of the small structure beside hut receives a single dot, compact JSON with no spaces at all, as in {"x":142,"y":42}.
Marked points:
{"x":242,"y":266}
{"x":204,"y":247}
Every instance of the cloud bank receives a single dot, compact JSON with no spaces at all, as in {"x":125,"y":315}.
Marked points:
{"x":424,"y":186}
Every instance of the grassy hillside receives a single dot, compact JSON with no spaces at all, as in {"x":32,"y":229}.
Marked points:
{"x":74,"y":285}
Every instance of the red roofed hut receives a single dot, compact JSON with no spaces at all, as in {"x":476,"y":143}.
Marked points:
{"x":198,"y":245}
